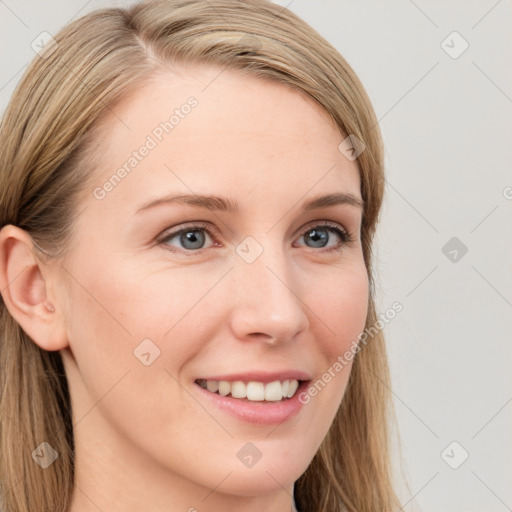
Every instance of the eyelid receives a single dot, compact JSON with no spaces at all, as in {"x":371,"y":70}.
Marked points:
{"x":347,"y":237}
{"x":198,"y":225}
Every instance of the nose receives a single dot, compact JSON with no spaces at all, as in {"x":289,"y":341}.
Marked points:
{"x":267,"y":300}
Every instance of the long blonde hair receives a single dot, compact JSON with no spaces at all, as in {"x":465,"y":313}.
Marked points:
{"x":47,"y":160}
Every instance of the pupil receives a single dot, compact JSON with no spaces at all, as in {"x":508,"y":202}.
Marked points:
{"x":318,"y":235}
{"x":192,"y":237}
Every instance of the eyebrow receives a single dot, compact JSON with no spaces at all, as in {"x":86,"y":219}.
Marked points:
{"x":216,"y":203}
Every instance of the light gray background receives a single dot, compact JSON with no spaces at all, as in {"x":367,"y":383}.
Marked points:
{"x":447,"y":129}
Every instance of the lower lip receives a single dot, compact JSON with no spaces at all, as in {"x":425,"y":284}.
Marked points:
{"x":261,"y":413}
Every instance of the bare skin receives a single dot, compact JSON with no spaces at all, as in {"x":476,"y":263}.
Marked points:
{"x":146,"y":436}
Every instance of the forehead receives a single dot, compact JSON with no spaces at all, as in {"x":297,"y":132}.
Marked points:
{"x":207,"y":130}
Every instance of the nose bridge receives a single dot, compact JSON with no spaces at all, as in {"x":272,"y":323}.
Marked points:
{"x":267,"y":299}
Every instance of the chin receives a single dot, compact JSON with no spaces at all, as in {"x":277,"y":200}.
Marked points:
{"x":263,"y":478}
{"x":255,"y":484}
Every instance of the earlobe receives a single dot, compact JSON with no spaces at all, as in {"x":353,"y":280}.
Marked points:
{"x":24,"y":290}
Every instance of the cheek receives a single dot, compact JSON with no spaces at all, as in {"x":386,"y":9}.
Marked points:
{"x":117,"y":316}
{"x":343,"y":308}
{"x":342,"y":305}
{"x":115,"y":309}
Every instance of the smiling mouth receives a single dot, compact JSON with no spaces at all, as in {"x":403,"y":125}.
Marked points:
{"x":253,"y":391}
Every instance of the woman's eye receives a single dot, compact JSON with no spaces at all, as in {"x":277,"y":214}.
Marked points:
{"x":193,"y":238}
{"x":319,"y":236}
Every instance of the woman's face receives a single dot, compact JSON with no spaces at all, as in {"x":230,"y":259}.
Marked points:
{"x":262,"y":294}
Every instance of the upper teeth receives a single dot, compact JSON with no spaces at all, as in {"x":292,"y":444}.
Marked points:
{"x":254,"y":391}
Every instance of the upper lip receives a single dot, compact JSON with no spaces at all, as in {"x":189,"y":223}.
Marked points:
{"x":261,"y":376}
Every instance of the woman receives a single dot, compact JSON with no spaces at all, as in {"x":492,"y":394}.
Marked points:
{"x":189,"y":193}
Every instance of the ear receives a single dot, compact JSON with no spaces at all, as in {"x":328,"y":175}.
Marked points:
{"x":24,"y":286}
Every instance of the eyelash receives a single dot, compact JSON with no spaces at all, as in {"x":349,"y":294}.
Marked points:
{"x":346,"y":236}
